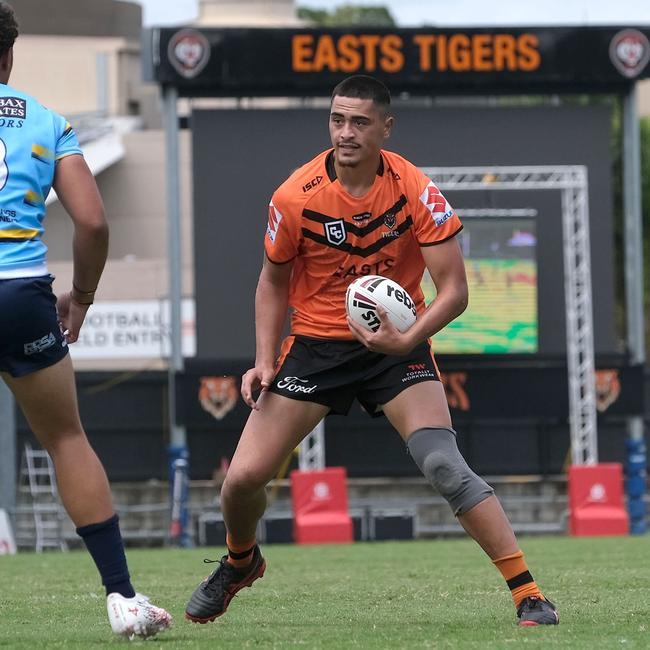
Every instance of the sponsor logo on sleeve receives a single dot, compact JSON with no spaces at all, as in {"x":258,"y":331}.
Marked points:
{"x":629,"y":51}
{"x":274,"y":222}
{"x":436,"y":204}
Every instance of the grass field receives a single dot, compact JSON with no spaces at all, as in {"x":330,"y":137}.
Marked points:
{"x":425,"y":594}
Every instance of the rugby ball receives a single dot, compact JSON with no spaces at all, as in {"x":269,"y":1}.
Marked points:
{"x":366,"y":293}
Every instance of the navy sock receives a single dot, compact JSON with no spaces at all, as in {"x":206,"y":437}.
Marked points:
{"x":104,"y":543}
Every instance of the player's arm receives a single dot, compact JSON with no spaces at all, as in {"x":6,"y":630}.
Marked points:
{"x":271,"y":304}
{"x":77,"y":190}
{"x":447,"y":270}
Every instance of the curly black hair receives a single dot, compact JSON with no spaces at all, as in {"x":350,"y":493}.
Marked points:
{"x":8,"y":28}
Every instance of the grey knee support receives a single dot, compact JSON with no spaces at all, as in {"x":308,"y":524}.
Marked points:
{"x":436,"y":454}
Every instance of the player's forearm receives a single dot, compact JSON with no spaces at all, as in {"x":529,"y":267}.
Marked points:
{"x":448,"y":305}
{"x":89,"y":252}
{"x":271,"y":303}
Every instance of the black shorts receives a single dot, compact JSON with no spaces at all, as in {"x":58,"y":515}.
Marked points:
{"x":30,"y":336}
{"x":334,"y":373}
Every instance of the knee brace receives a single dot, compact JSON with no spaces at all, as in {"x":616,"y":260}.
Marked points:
{"x":435,"y":452}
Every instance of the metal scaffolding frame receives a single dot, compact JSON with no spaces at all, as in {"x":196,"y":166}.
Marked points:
{"x":311,"y":452}
{"x":571,"y":181}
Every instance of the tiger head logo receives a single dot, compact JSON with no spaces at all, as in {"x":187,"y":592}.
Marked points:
{"x":608,"y":388}
{"x":218,"y":395}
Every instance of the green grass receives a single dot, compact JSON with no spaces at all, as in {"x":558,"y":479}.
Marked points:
{"x":425,"y":594}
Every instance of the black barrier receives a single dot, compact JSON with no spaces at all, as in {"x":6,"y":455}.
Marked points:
{"x":125,"y":417}
{"x":254,"y":61}
{"x":477,"y":387}
{"x":511,"y":416}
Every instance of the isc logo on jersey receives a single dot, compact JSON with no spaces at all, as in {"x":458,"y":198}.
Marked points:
{"x":274,"y":222}
{"x":436,"y":204}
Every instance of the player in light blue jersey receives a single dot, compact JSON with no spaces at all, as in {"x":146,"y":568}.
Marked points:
{"x":33,"y":140}
{"x":39,"y":151}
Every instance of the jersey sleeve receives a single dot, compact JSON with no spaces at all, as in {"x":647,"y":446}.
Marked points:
{"x":67,"y":143}
{"x":434,"y":219}
{"x":282,"y":239}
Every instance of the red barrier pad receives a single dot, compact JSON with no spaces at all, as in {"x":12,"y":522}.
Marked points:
{"x":320,"y":506}
{"x":596,"y":505}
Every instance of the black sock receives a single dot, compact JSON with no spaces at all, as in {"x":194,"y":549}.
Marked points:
{"x":104,"y":543}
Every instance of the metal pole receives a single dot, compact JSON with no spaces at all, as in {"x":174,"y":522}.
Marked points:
{"x":174,"y":256}
{"x":311,"y":452}
{"x":8,"y":446}
{"x":177,"y":436}
{"x":101,"y":64}
{"x":579,"y":323}
{"x":633,"y":228}
{"x":633,"y":242}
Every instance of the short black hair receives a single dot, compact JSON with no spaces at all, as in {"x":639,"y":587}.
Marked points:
{"x":363,"y":86}
{"x":8,"y":28}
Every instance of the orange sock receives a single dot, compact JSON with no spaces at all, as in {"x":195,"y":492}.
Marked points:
{"x":240,"y":554}
{"x":516,"y":574}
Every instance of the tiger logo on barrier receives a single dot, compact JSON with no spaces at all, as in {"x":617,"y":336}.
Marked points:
{"x":218,"y":395}
{"x":608,"y":388}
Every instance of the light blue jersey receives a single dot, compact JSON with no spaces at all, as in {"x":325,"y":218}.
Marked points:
{"x":32,"y":140}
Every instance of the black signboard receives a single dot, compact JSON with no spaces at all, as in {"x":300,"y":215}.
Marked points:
{"x":220,"y":62}
{"x":477,"y":388}
{"x":511,"y":418}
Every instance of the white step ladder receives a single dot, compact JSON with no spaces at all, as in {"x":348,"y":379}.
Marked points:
{"x":39,"y":497}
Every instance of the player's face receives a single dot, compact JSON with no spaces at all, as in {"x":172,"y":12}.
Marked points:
{"x":358,"y":130}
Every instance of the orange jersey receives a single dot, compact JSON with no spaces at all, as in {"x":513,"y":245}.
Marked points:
{"x":334,"y":238}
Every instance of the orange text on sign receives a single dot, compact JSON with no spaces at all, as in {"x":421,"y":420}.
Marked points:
{"x":459,"y":52}
{"x":478,"y":52}
{"x":347,"y":53}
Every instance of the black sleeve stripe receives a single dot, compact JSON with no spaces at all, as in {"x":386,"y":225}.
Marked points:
{"x":440,"y":241}
{"x":280,"y":263}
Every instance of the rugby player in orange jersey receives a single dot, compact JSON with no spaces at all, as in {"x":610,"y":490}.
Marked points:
{"x":354,"y":210}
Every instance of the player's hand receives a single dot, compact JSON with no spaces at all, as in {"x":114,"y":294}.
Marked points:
{"x":71,"y":316}
{"x":257,"y":378}
{"x":386,"y":340}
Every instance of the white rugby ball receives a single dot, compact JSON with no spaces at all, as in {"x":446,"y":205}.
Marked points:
{"x":365,"y":293}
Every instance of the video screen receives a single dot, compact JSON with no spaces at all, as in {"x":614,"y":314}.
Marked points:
{"x":499,"y":247}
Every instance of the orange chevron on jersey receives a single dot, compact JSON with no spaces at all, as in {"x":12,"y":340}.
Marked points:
{"x":334,"y":237}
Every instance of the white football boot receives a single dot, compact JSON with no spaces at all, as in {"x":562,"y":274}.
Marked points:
{"x":131,"y":617}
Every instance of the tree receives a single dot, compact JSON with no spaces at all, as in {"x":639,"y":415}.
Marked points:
{"x":348,"y":15}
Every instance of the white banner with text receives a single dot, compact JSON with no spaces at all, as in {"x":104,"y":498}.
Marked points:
{"x":134,"y":329}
